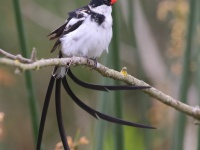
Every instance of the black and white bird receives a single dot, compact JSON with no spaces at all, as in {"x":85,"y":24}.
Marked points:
{"x":86,"y":33}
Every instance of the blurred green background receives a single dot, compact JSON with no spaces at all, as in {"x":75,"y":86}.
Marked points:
{"x":157,"y":40}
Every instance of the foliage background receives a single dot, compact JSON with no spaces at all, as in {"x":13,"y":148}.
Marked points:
{"x":152,"y":40}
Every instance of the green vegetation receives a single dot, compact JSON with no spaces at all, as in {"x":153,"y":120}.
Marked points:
{"x":158,"y":41}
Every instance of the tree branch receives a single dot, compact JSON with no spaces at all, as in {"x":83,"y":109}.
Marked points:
{"x":32,"y":64}
{"x":19,"y":57}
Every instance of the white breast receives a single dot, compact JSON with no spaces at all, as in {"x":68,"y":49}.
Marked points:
{"x":90,"y":39}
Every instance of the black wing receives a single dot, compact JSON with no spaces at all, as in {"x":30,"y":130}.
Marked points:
{"x":79,"y":14}
{"x":57,"y":34}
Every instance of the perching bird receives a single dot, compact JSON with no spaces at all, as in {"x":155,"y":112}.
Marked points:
{"x":86,"y":33}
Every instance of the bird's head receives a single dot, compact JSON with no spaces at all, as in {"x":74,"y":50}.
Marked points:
{"x":95,"y":3}
{"x":111,"y":1}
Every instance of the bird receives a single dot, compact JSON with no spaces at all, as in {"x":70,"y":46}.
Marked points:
{"x":86,"y":33}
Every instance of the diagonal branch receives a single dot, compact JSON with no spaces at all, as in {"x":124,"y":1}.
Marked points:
{"x":106,"y":72}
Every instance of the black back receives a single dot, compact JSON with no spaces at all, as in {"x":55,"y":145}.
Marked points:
{"x":96,"y":3}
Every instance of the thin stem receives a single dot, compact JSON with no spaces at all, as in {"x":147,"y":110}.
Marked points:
{"x":181,"y":122}
{"x":198,"y":85}
{"x":198,"y":63}
{"x":118,"y":130}
{"x":28,"y":77}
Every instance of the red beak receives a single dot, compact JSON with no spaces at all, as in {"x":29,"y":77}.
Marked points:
{"x":112,"y":2}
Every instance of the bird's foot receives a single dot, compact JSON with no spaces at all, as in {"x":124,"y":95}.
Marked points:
{"x":69,"y":64}
{"x":89,"y":64}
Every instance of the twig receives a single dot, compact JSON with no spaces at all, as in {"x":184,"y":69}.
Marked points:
{"x":19,"y":57}
{"x":107,"y":72}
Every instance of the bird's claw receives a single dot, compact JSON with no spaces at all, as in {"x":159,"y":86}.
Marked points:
{"x":89,"y":64}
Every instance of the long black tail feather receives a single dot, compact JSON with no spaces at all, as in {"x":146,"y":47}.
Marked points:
{"x":59,"y":115}
{"x":44,"y":111}
{"x":103,"y":87}
{"x":97,"y":114}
